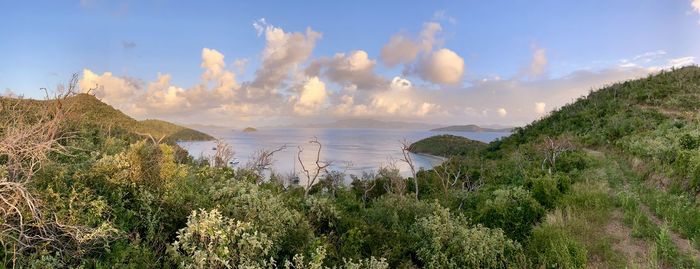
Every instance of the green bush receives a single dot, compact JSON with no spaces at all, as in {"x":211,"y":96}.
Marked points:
{"x":446,"y":241}
{"x":545,"y":190}
{"x":211,"y":240}
{"x":550,"y":247}
{"x":514,"y":210}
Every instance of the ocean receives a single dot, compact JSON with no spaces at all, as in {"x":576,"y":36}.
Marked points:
{"x":352,"y":151}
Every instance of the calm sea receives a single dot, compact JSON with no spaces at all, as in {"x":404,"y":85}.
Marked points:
{"x":350,"y":150}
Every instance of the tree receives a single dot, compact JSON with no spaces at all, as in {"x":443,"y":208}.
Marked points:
{"x":551,"y":148}
{"x":405,"y":150}
{"x":319,"y":166}
{"x":30,"y":132}
{"x":262,"y":160}
{"x":223,"y":155}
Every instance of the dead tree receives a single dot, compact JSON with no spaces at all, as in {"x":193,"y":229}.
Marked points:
{"x":366,"y":183}
{"x":448,"y":176}
{"x":223,"y":155}
{"x":405,"y":150}
{"x":30,"y":132}
{"x":552,"y":148}
{"x":319,"y":166}
{"x":390,"y":172}
{"x":262,"y":160}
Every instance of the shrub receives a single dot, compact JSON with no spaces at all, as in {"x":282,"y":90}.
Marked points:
{"x":211,"y":240}
{"x":447,"y":241}
{"x":545,"y":190}
{"x":247,"y":202}
{"x":513,"y":210}
{"x":551,"y":247}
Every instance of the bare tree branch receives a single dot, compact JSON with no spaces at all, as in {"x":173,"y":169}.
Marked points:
{"x":405,"y":150}
{"x":320,"y":166}
{"x":223,"y":155}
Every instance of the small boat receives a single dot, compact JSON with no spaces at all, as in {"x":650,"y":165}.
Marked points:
{"x":214,"y":148}
{"x":235,"y":162}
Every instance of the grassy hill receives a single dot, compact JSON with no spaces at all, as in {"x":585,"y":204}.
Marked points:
{"x":471,"y":128}
{"x":632,"y":152}
{"x":87,"y":110}
{"x":447,"y":145}
{"x":609,"y":181}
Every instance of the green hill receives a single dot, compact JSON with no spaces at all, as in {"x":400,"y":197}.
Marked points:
{"x":87,"y":110}
{"x":470,"y":128}
{"x":447,"y":145}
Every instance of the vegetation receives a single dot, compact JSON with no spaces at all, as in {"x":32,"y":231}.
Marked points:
{"x":609,"y":181}
{"x":447,"y":145}
{"x":87,"y":110}
{"x":249,"y":129}
{"x":471,"y":128}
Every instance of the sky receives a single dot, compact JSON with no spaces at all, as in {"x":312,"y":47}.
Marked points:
{"x":262,"y":63}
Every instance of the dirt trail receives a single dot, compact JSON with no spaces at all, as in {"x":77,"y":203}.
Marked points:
{"x":683,"y":245}
{"x":636,"y":250}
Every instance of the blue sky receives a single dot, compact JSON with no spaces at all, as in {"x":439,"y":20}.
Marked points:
{"x":43,"y":42}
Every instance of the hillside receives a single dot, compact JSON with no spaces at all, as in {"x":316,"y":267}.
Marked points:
{"x":609,"y":181}
{"x":470,"y":128}
{"x":447,"y":145}
{"x":88,"y":110}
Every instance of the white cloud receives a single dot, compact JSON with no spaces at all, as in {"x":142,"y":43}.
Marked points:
{"x":112,"y":89}
{"x":213,"y":63}
{"x":403,"y":49}
{"x":538,"y":64}
{"x":502,"y":112}
{"x":400,"y":83}
{"x":9,"y":93}
{"x":289,"y":84}
{"x":680,"y":62}
{"x":696,"y":5}
{"x":260,"y":26}
{"x":283,"y":53}
{"x":352,"y":69}
{"x":312,"y":97}
{"x":540,"y":108}
{"x":442,"y":66}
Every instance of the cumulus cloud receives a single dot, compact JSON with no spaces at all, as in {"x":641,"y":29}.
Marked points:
{"x":502,"y":112}
{"x":112,"y":89}
{"x":399,"y":99}
{"x":540,"y":108}
{"x":403,"y":49}
{"x":312,"y":97}
{"x":442,"y":66}
{"x":696,"y":5}
{"x":288,"y":84}
{"x":283,"y":52}
{"x":354,"y":69}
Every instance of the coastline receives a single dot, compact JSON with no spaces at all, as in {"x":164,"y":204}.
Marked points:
{"x":441,"y":158}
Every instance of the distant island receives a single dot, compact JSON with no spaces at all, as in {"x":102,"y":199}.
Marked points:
{"x":249,"y":129}
{"x":366,"y":124}
{"x":446,"y":146}
{"x":471,"y":128}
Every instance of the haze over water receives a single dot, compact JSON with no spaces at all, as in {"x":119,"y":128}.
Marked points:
{"x":364,"y":149}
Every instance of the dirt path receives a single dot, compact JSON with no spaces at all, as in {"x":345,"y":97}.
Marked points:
{"x":639,"y":250}
{"x":683,"y":245}
{"x":636,"y":250}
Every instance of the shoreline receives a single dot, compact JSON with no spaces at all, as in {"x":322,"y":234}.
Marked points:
{"x":441,"y":158}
